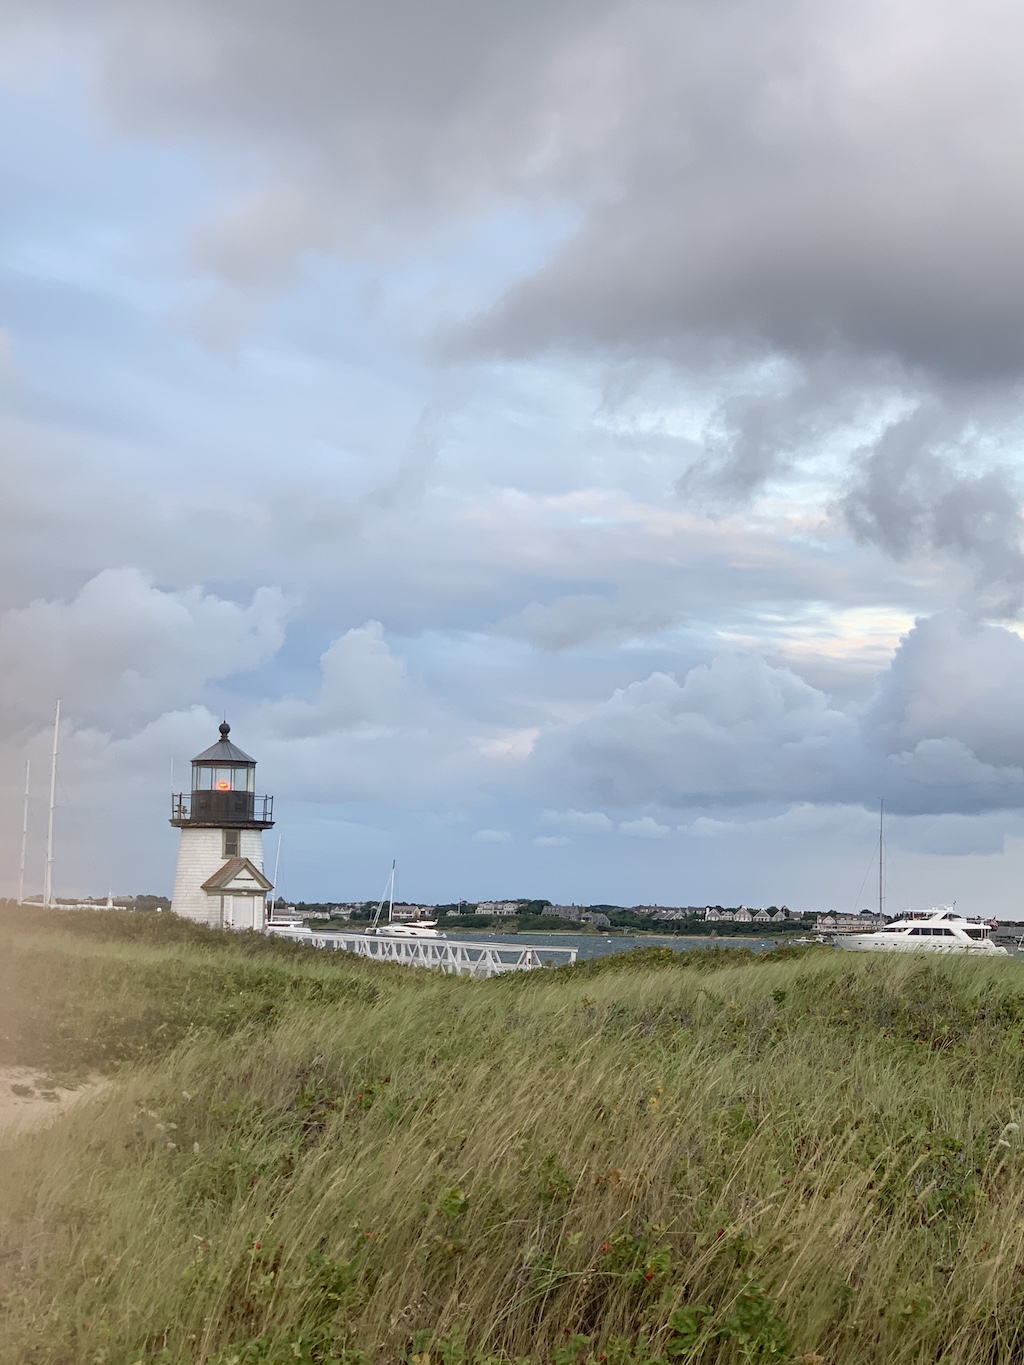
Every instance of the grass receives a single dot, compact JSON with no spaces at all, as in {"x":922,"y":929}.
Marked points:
{"x":717,"y":1156}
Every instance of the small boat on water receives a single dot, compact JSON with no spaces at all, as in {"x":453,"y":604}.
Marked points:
{"x":940,"y":930}
{"x":421,"y":928}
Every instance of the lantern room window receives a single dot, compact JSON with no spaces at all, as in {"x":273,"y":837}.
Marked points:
{"x":219,"y":779}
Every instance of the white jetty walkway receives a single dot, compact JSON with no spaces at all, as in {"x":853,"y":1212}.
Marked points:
{"x":457,"y":956}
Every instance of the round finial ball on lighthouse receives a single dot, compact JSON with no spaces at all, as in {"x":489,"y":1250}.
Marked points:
{"x":220,"y":879}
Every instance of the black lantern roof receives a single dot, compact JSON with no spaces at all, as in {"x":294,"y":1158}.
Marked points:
{"x":223,"y":752}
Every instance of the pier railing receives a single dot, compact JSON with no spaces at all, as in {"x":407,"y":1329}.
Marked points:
{"x":457,"y":957}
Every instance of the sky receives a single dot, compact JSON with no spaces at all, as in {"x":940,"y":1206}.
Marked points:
{"x":575,"y":445}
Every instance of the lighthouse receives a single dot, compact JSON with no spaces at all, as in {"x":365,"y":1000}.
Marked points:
{"x":220,"y":879}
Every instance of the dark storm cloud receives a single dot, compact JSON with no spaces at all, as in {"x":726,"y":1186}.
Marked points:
{"x":915,"y":487}
{"x":746,"y":176}
{"x":833,"y":184}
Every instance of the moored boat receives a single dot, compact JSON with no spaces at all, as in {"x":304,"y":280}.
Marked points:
{"x":424,"y":928}
{"x":380,"y":928}
{"x":940,"y":930}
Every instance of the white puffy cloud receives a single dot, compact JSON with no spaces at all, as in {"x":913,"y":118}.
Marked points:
{"x":740,"y":731}
{"x":594,"y":821}
{"x":361,"y":684}
{"x":731,"y":731}
{"x":124,"y":649}
{"x":370,"y":732}
{"x":644,"y":828}
{"x":551,"y":841}
{"x":953,"y":678}
{"x":493,"y":836}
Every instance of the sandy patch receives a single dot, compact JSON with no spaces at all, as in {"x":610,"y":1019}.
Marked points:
{"x":28,"y":1099}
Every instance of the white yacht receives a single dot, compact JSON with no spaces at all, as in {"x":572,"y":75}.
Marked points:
{"x":940,"y":930}
{"x":422,"y":928}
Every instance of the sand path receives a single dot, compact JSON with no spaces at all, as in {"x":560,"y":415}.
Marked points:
{"x":29,"y":1100}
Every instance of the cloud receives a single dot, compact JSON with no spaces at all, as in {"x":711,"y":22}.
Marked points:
{"x":644,"y":828}
{"x":915,"y":487}
{"x":594,"y":821}
{"x":684,"y":260}
{"x":583,"y":619}
{"x":952,"y":680}
{"x":789,"y":209}
{"x":551,"y":841}
{"x":362,"y":684}
{"x":123,"y":649}
{"x":739,"y":731}
{"x":493,"y":836}
{"x":796,"y":182}
{"x":781,"y":181}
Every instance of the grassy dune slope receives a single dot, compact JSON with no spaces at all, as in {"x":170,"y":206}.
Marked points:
{"x":655,"y":1158}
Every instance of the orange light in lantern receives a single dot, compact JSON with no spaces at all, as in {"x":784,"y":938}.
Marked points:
{"x":223,"y":786}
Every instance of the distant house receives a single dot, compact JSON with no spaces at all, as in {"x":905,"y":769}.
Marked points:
{"x":762,"y":917}
{"x":864,"y":920}
{"x":498,"y":908}
{"x":597,"y":918}
{"x":742,"y":916}
{"x":403,"y":911}
{"x":779,"y":915}
{"x":570,"y":912}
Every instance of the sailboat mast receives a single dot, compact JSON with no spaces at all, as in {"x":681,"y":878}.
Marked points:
{"x":48,"y":877}
{"x":389,"y":896}
{"x":24,"y":834}
{"x":277,"y":868}
{"x":881,"y":859}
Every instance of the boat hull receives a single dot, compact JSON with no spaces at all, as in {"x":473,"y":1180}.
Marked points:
{"x":876,"y":943}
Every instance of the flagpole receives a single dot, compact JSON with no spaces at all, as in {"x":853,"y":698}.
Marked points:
{"x":24,"y":834}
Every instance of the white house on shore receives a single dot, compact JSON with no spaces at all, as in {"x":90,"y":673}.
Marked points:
{"x":500,"y":908}
{"x":220,"y":879}
{"x":741,"y":915}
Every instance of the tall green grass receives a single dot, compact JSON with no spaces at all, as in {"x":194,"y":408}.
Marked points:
{"x":699,"y":1157}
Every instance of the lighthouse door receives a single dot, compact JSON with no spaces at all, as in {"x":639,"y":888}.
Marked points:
{"x":241,"y":912}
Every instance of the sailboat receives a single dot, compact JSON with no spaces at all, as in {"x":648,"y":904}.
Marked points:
{"x":424,"y":928}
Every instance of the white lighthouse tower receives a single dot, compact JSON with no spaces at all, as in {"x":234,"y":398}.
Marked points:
{"x":220,"y":879}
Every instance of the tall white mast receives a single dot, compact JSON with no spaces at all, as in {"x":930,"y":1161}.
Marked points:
{"x":389,"y":896}
{"x":881,"y":859}
{"x":48,"y":878}
{"x":277,"y":869}
{"x":24,"y":834}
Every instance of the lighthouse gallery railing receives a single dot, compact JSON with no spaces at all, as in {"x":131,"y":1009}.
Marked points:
{"x":221,"y":808}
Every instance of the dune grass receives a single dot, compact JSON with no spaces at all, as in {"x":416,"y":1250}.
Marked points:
{"x":659,"y":1157}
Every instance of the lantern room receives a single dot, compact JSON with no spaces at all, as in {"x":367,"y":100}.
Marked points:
{"x":223,"y":789}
